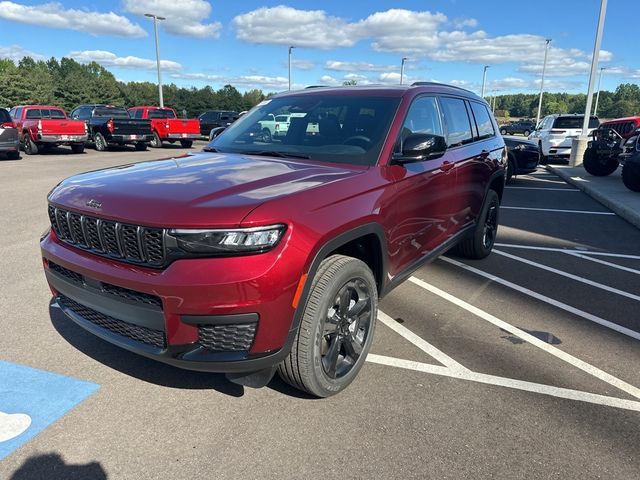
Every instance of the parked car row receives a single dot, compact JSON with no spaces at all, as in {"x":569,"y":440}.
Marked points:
{"x":38,"y":128}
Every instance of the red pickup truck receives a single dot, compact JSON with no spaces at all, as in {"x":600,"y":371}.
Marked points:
{"x":167,"y":127}
{"x":42,"y":127}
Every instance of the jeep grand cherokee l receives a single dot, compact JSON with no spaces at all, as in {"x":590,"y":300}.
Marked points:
{"x":254,"y":257}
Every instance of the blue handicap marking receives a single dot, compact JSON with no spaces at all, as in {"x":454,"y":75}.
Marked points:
{"x":32,"y":399}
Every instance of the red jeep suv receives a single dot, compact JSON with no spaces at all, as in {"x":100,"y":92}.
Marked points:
{"x":259,"y":255}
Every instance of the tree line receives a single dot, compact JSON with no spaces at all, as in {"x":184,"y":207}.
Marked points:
{"x":623,"y":102}
{"x":67,"y":83}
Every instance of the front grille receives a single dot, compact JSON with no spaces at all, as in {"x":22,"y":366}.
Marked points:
{"x":227,"y":338}
{"x":128,"y":243}
{"x":124,"y":329}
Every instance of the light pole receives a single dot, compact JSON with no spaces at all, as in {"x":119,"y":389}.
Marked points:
{"x":595,"y":109}
{"x":155,"y":29}
{"x":544,"y":68}
{"x":404,"y":59}
{"x":579,"y":145}
{"x":290,"y":48}
{"x":484,"y":79}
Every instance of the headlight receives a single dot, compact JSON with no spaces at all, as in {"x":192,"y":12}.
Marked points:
{"x":227,"y":241}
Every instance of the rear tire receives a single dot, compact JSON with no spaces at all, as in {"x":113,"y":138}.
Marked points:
{"x":480,"y":243}
{"x":526,"y":133}
{"x":503,"y":132}
{"x":99,"y":142}
{"x":30,"y":148}
{"x":336,"y":330}
{"x":13,"y":155}
{"x":266,"y":135}
{"x":156,"y":142}
{"x":186,"y":143}
{"x":631,"y":176}
{"x":598,"y":166}
{"x":77,"y":148}
{"x":543,"y":158}
{"x":140,"y":146}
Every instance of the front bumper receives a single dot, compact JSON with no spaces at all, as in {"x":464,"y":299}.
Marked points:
{"x":62,"y":139}
{"x":225,"y":315}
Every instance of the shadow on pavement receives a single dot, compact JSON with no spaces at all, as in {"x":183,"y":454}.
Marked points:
{"x":52,"y":467}
{"x":138,"y":366}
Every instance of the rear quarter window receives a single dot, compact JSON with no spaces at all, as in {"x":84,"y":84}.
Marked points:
{"x":483,"y":121}
{"x":4,"y":116}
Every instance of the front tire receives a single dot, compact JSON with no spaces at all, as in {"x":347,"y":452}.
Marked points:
{"x":631,"y":176}
{"x":527,"y":133}
{"x":511,"y":168}
{"x":266,"y":135}
{"x":336,"y":330}
{"x":598,"y":166}
{"x":503,"y":132}
{"x":480,"y":243}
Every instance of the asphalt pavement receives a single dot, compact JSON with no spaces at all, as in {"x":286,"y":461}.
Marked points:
{"x":523,"y":365}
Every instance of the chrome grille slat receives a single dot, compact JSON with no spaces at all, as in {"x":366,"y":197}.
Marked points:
{"x":129,"y":243}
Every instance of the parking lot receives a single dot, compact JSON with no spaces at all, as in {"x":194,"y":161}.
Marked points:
{"x":522,"y":365}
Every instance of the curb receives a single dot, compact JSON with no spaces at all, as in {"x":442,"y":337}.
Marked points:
{"x":620,"y":209}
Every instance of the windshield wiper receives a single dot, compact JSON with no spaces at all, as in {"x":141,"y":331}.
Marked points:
{"x":273,"y":153}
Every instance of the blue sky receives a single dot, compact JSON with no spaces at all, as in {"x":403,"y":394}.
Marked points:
{"x":245,"y":42}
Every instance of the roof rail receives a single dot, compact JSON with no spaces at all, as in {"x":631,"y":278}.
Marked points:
{"x":422,"y":84}
{"x":315,"y":86}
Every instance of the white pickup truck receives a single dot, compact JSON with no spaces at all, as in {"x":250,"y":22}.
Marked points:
{"x":278,"y":125}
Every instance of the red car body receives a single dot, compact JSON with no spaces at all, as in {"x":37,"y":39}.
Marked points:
{"x":46,"y":125}
{"x":395,"y":217}
{"x":167,"y":126}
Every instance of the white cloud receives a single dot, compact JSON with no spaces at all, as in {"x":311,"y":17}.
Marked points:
{"x":248,"y":81}
{"x":303,"y":64}
{"x":16,"y":53}
{"x":284,"y":25}
{"x":183,"y":17}
{"x":464,"y":22}
{"x":109,"y":59}
{"x":358,"y":67}
{"x":54,"y":15}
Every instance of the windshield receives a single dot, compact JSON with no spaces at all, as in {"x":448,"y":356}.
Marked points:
{"x":161,"y":114}
{"x":113,"y":112}
{"x":327,"y":128}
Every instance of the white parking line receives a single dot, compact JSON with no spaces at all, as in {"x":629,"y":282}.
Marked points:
{"x":602,"y":262}
{"x":419,"y":342}
{"x":556,"y":352}
{"x":568,"y":250}
{"x":556,"y":210}
{"x":586,"y":281}
{"x":506,"y":382}
{"x":544,"y":188}
{"x":538,"y":296}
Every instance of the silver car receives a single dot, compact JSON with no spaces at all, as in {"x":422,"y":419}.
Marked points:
{"x":9,"y":138}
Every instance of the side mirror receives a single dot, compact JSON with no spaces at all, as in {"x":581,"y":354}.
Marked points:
{"x":421,"y":146}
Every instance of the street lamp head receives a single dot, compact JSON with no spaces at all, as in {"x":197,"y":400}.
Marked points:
{"x":157,"y":17}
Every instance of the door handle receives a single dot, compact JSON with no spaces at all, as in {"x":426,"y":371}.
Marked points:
{"x":446,"y":166}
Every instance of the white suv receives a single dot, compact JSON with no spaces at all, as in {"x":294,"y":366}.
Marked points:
{"x":555,"y":133}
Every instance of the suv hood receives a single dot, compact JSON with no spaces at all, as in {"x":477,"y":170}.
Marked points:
{"x":201,"y":190}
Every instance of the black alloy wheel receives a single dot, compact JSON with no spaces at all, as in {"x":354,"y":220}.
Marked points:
{"x":30,"y":148}
{"x":156,"y":142}
{"x":346,"y":328}
{"x":490,"y":227}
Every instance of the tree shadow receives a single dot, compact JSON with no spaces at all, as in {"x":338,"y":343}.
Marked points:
{"x":51,"y":466}
{"x":135,"y":365}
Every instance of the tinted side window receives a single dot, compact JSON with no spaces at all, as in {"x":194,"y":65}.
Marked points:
{"x":4,"y":116}
{"x":457,"y":121}
{"x":136,"y":113}
{"x":483,"y":121}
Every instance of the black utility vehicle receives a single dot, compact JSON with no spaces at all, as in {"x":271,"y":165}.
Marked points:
{"x":525,"y":127}
{"x":523,"y":154}
{"x":630,"y":161}
{"x":109,"y":124}
{"x":216,"y":118}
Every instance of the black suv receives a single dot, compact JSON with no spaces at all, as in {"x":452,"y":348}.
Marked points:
{"x":216,"y":118}
{"x":525,"y":127}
